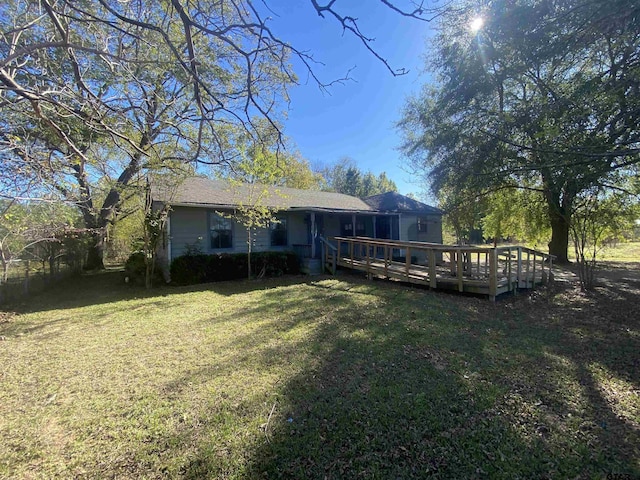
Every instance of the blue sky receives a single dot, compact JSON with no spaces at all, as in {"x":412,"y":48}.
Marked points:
{"x":356,"y":119}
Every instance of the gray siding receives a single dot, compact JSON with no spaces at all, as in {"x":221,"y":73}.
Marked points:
{"x":409,"y":228}
{"x":297,"y":229}
{"x":190,"y":227}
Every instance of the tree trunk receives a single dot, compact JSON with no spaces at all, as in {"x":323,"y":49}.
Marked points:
{"x":559,"y":244}
{"x":95,"y":254}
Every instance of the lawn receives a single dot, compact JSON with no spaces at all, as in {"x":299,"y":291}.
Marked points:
{"x":320,"y":377}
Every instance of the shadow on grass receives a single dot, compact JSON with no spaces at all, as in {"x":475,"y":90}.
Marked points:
{"x":378,"y":380}
{"x":109,"y":286}
{"x":402,"y":383}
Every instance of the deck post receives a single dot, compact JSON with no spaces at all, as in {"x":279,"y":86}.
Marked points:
{"x":510,"y":269}
{"x":368,"y":264}
{"x":335,"y":260}
{"x":386,"y":257}
{"x":519,"y":267}
{"x":408,"y":261}
{"x":533,"y":278}
{"x":528,"y":266}
{"x":493,"y":274}
{"x":460,"y":271}
{"x":486,"y":264}
{"x":324,"y":251}
{"x":432,"y":268}
{"x":351,"y":252}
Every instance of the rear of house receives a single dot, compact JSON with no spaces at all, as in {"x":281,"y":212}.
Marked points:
{"x":202,"y":219}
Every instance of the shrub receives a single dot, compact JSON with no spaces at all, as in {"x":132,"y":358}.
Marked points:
{"x":192,"y":269}
{"x":135,"y":268}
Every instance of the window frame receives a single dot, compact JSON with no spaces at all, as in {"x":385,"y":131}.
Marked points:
{"x":422,"y":224}
{"x":216,"y":219}
{"x":276,"y":228}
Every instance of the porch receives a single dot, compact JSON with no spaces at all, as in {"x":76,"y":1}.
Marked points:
{"x":481,"y":270}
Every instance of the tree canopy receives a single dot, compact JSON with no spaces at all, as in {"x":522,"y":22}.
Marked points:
{"x":95,"y":93}
{"x":543,"y":97}
{"x":345,"y":177}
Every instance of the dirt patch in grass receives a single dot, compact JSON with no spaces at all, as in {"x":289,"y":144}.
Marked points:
{"x":322,"y":377}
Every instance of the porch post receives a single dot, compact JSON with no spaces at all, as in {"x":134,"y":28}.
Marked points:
{"x":353,"y":225}
{"x":313,"y":234}
{"x":375,"y":220}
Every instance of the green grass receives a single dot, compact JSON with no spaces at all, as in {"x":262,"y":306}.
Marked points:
{"x":322,"y":377}
{"x":621,"y":252}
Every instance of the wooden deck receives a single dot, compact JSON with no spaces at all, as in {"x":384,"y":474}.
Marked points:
{"x":482,"y":270}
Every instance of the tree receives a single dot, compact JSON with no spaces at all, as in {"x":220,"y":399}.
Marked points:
{"x":345,"y":177}
{"x":599,"y":217}
{"x":543,"y":97}
{"x":111,"y":89}
{"x":34,"y":231}
{"x":252,"y":180}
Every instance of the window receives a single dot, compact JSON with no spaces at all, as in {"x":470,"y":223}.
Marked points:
{"x":221,"y":229}
{"x":422,"y":224}
{"x":278,"y":232}
{"x":346,"y":227}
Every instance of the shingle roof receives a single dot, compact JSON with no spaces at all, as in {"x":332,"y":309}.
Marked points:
{"x":200,"y":191}
{"x":203,"y":192}
{"x":394,"y":202}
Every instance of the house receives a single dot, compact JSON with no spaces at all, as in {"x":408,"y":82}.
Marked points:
{"x":201,"y":218}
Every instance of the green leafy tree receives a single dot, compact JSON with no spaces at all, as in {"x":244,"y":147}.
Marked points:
{"x":345,"y":177}
{"x":542,"y":97}
{"x":35,"y":231}
{"x":155,"y":82}
{"x":599,"y":217}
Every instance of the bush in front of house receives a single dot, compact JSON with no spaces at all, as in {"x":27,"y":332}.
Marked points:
{"x":135,"y":270}
{"x":199,"y":268}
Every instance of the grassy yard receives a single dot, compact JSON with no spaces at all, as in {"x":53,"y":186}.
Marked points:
{"x":320,"y":377}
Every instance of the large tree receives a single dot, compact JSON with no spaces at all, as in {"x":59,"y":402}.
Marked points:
{"x":94,"y":93}
{"x":344,"y":176}
{"x":542,"y":95}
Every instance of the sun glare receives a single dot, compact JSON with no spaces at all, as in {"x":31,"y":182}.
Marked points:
{"x":476,"y":24}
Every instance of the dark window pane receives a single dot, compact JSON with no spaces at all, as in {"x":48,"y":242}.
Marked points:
{"x":279,"y":232}
{"x":221,"y":231}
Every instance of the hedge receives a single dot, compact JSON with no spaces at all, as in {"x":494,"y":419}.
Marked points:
{"x":201,"y":268}
{"x":135,"y":270}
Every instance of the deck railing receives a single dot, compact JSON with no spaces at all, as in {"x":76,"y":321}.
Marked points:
{"x":487,"y":270}
{"x":329,"y":255}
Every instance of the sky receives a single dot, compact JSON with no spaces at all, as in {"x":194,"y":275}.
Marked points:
{"x":355,"y":119}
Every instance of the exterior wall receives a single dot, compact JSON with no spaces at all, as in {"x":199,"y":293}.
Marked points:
{"x":409,"y":228}
{"x":190,"y":227}
{"x":297,"y":229}
{"x":331,"y":225}
{"x":409,"y":232}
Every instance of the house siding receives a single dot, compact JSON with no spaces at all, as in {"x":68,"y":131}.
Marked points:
{"x":190,"y":227}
